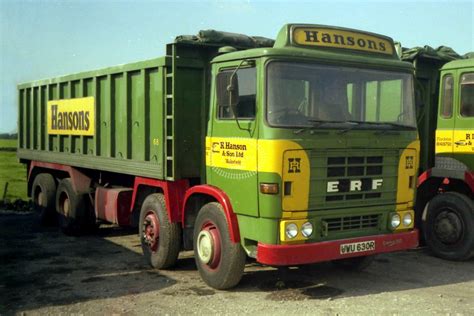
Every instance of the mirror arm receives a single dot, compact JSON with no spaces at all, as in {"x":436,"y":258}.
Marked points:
{"x":229,"y":88}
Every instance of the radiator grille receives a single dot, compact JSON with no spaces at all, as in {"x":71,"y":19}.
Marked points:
{"x":344,"y":169}
{"x":351,"y":222}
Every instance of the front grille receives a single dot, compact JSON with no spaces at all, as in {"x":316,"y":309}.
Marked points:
{"x":343,"y":169}
{"x":351,"y":222}
{"x":372,"y":172}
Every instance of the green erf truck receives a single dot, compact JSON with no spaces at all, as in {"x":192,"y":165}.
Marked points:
{"x":445,"y":114}
{"x":291,"y":152}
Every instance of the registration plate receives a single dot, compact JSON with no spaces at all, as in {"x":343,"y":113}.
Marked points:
{"x":357,"y":247}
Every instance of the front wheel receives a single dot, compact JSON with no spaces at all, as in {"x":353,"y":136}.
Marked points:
{"x":220,"y":262}
{"x":449,"y":226}
{"x":160,"y":239}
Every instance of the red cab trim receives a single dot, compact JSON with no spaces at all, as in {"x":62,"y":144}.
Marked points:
{"x":224,"y":200}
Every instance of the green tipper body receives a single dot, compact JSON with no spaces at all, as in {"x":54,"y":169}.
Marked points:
{"x":140,"y":113}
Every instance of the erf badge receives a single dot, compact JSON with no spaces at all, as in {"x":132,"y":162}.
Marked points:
{"x":409,"y":162}
{"x":294,"y":165}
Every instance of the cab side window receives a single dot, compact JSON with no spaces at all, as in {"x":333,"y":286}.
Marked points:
{"x":447,"y":97}
{"x":467,"y":95}
{"x":247,"y":92}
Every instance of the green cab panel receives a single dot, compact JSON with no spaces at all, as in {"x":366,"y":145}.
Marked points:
{"x":455,"y":130}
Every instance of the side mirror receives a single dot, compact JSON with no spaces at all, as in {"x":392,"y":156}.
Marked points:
{"x":227,"y":89}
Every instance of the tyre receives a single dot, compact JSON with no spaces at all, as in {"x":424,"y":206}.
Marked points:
{"x":160,"y":239}
{"x":43,"y":193}
{"x":449,"y":226}
{"x":74,"y":214}
{"x":354,"y":264}
{"x":220,"y":262}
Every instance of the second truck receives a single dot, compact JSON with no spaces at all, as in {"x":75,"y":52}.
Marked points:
{"x":291,"y":152}
{"x":445,"y":112}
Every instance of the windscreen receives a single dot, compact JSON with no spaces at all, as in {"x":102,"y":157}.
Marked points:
{"x":301,"y":94}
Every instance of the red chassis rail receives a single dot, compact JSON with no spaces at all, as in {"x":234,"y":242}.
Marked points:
{"x":173,"y":191}
{"x":177,"y":194}
{"x":80,"y":182}
{"x":287,"y":255}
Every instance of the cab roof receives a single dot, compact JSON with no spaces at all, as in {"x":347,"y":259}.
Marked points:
{"x":461,"y":63}
{"x":328,"y":56}
{"x":327,"y":44}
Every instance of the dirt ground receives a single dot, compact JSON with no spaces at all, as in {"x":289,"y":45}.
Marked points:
{"x":44,"y":272}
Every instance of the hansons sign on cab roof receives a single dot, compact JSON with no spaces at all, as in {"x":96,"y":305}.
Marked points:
{"x":328,"y":37}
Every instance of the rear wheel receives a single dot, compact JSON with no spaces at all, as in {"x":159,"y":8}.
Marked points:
{"x":220,"y":262}
{"x":74,"y":214}
{"x":43,"y":193}
{"x":160,"y":239}
{"x":354,"y":264}
{"x":449,"y":226}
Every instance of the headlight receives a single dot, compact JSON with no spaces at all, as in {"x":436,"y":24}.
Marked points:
{"x":395,"y":221}
{"x":407,"y":219}
{"x":291,"y":230}
{"x":307,"y":229}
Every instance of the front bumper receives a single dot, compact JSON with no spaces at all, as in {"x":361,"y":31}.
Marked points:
{"x":285,"y":255}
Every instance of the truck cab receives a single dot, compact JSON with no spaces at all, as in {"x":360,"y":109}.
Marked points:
{"x":445,"y":201}
{"x":314,"y":141}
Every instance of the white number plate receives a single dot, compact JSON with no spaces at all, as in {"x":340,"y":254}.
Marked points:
{"x":357,"y":247}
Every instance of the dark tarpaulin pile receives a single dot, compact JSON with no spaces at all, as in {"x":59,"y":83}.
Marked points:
{"x":441,"y":53}
{"x":213,"y":37}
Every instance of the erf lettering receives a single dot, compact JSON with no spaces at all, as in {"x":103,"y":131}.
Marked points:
{"x":354,"y":185}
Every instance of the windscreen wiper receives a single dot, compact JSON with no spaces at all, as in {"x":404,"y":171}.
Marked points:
{"x":318,"y":122}
{"x":358,"y":123}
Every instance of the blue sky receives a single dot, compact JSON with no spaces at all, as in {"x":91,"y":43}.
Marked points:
{"x":41,"y":39}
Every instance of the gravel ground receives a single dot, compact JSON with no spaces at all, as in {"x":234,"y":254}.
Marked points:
{"x":44,"y":272}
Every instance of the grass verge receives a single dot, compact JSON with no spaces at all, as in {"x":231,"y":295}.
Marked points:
{"x":11,"y":171}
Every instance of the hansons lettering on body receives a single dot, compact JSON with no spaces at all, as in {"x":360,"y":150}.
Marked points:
{"x":342,"y":39}
{"x":73,"y":120}
{"x":71,"y":116}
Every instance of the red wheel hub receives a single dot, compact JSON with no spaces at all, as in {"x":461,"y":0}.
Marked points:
{"x":151,"y":230}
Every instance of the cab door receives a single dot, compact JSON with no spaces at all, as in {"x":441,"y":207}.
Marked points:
{"x":446,"y":118}
{"x":231,"y":145}
{"x":463,"y":132}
